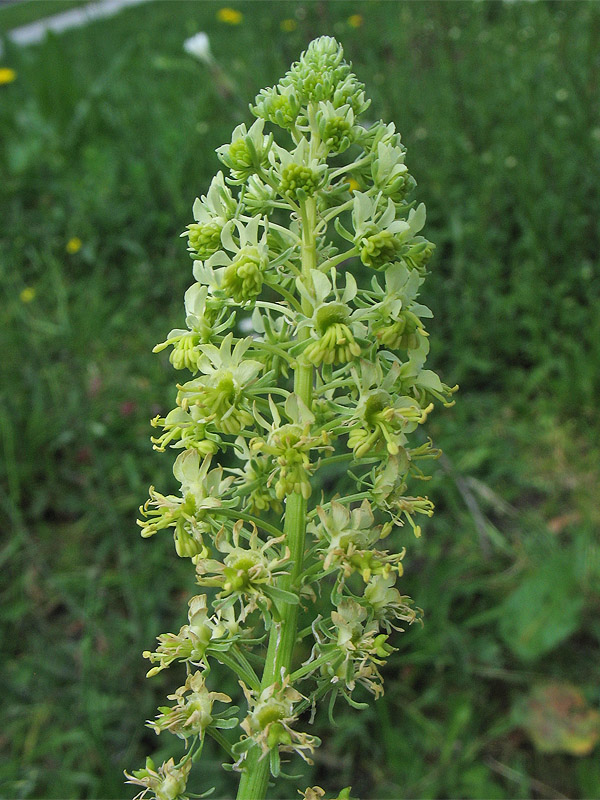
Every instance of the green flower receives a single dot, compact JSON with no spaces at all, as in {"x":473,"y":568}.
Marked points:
{"x":384,"y":420}
{"x":404,"y":333}
{"x":333,"y":328}
{"x":259,"y":197}
{"x":336,"y":344}
{"x":289,"y":355}
{"x":347,"y":538}
{"x":204,"y":238}
{"x":386,"y":602}
{"x":289,"y":446}
{"x":237,"y":272}
{"x":166,"y":783}
{"x":356,"y":646}
{"x":379,"y":236}
{"x":321,"y":74}
{"x":390,"y":173}
{"x":211,"y":212}
{"x":204,"y":318}
{"x":190,"y":515}
{"x":185,"y":430}
{"x":203,"y":635}
{"x":220,"y":394}
{"x":193,"y":711}
{"x":248,"y":152}
{"x":243,"y":278}
{"x":379,"y":249}
{"x":299,"y":175}
{"x":417,"y":252}
{"x":336,"y":127}
{"x":247,"y":573}
{"x":298,"y":181}
{"x":259,"y":494}
{"x":269,"y":722}
{"x":278,"y":105}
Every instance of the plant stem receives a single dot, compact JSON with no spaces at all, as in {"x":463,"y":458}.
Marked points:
{"x":255,"y":776}
{"x":235,"y":514}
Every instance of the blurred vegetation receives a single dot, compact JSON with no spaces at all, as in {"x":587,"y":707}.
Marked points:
{"x":106,"y":136}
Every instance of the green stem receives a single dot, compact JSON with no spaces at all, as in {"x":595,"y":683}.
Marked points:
{"x":337,"y":211}
{"x":351,"y":498}
{"x":335,"y":260}
{"x":325,"y":462}
{"x":364,"y":160}
{"x":272,"y":348}
{"x":235,"y":514}
{"x":278,"y":308}
{"x":248,"y":676}
{"x":285,"y":294}
{"x":312,"y":666}
{"x":255,"y":776}
{"x":218,"y":737}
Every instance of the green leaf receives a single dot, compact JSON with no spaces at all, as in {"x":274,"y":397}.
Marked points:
{"x":275,"y":593}
{"x":543,"y":611}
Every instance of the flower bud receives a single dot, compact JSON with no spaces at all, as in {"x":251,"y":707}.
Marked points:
{"x":204,"y":238}
{"x":243,"y":278}
{"x":299,"y":182}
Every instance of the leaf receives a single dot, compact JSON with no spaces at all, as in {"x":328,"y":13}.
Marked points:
{"x":544,"y":610}
{"x":322,"y":285}
{"x":274,"y":762}
{"x":275,"y":593}
{"x":416,"y":218}
{"x":558,"y":720}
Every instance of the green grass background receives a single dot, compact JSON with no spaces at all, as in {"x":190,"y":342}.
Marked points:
{"x":107,"y":134}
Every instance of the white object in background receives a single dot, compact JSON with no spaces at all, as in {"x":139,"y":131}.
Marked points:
{"x":199,"y":47}
{"x":73,"y":18}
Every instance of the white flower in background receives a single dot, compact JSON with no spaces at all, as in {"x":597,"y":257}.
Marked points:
{"x":199,"y":47}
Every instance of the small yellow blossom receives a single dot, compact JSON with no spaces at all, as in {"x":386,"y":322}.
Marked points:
{"x":355,"y":21}
{"x":7,"y":75}
{"x":230,"y":16}
{"x":354,"y":185}
{"x":73,"y":245}
{"x":288,"y":25}
{"x":27,"y":294}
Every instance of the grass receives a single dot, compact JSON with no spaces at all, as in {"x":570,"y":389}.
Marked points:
{"x":108,"y":134}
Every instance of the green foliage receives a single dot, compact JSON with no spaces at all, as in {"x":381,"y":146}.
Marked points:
{"x":106,"y":134}
{"x":543,"y":610}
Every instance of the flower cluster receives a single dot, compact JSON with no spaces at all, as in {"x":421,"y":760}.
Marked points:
{"x":247,"y":574}
{"x":166,"y":783}
{"x":270,"y":724}
{"x":201,"y":636}
{"x":193,"y":710}
{"x":305,"y":346}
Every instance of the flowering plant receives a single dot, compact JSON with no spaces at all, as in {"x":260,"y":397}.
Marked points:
{"x":331,"y":371}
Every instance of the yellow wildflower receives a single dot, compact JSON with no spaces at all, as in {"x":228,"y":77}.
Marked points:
{"x":7,"y":75}
{"x":230,"y":16}
{"x":288,"y":25}
{"x":73,"y":245}
{"x":27,"y":295}
{"x":355,"y":21}
{"x":354,"y":185}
